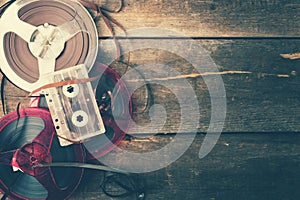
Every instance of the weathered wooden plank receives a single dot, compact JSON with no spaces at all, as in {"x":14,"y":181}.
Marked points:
{"x":265,"y":99}
{"x":209,"y":18}
{"x":242,"y":166}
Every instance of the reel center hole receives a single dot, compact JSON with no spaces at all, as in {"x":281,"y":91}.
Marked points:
{"x":47,"y":42}
{"x":32,"y":154}
{"x":79,"y":118}
{"x":70,"y":89}
{"x":33,"y":160}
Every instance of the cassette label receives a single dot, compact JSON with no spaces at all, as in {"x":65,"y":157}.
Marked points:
{"x":73,"y":107}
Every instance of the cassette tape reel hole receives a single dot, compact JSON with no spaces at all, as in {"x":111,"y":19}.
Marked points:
{"x":99,"y":145}
{"x":80,"y":118}
{"x":71,"y":91}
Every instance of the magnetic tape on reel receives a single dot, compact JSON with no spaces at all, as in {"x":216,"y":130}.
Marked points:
{"x":43,"y":39}
{"x":27,"y":139}
{"x":102,"y":144}
{"x":110,"y":99}
{"x":43,"y":36}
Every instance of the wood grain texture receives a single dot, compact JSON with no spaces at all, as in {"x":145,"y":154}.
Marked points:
{"x":209,"y":18}
{"x":206,"y":18}
{"x":246,"y":36}
{"x":264,"y":100}
{"x":241,"y":166}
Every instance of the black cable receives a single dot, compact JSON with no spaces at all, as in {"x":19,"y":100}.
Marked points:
{"x":5,"y":6}
{"x":115,"y":184}
{"x":125,"y":182}
{"x":118,"y":185}
{"x":2,"y":9}
{"x":119,"y":9}
{"x":80,"y":165}
{"x":150,"y":96}
{"x":3,"y":80}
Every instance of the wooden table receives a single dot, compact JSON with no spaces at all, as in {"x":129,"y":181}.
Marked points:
{"x":257,"y":156}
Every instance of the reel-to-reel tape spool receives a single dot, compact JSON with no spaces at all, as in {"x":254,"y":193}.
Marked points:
{"x":42,"y":36}
{"x":27,"y":138}
{"x":100,"y":145}
{"x":110,"y":100}
{"x":43,"y":42}
{"x":40,"y":39}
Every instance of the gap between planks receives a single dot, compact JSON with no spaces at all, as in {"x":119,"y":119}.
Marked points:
{"x":201,"y":38}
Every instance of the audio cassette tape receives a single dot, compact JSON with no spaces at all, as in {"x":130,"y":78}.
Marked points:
{"x":73,"y":107}
{"x":102,"y":144}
